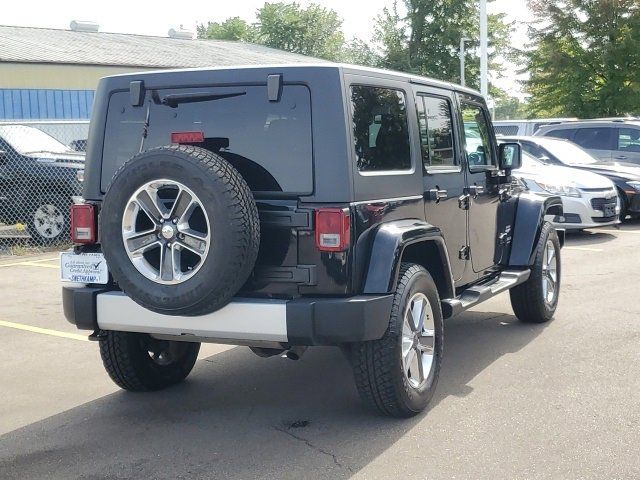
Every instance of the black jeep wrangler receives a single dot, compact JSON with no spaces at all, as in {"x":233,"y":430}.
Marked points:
{"x":290,"y":206}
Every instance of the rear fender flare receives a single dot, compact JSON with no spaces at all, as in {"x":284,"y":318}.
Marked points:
{"x":528,"y":221}
{"x":389,"y":244}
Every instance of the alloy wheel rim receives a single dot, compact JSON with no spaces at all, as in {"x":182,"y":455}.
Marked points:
{"x":48,"y":221}
{"x":166,"y":232}
{"x":549,"y":273}
{"x":418,"y":340}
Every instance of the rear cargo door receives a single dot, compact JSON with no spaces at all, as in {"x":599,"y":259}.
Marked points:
{"x":268,"y":141}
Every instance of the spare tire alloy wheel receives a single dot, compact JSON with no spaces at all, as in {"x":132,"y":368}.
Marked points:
{"x":180,"y":230}
{"x":166,"y":231}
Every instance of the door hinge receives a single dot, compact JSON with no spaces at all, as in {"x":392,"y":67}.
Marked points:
{"x":463,"y":202}
{"x":465,"y":253}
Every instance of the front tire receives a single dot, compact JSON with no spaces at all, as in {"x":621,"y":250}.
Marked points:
{"x":397,"y":375}
{"x":140,"y":363}
{"x":536,"y":300}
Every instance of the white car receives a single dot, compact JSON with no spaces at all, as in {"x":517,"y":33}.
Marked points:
{"x":589,"y":200}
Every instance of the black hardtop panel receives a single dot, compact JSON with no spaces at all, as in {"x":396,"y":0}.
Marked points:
{"x":331,"y":125}
{"x":330,"y":158}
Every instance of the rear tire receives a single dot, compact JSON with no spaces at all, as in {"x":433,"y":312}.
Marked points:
{"x":140,"y":363}
{"x":397,"y":375}
{"x":532,"y":301}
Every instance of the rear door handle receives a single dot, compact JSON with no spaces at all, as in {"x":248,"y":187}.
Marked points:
{"x":437,"y":195}
{"x":621,"y":157}
{"x":475,"y":190}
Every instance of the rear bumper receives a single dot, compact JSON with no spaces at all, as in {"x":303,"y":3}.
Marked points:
{"x":304,"y":321}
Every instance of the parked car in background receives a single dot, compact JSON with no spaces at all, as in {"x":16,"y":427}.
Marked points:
{"x":625,"y":176}
{"x":525,"y":127}
{"x":38,"y":178}
{"x":606,"y":140}
{"x":588,"y":199}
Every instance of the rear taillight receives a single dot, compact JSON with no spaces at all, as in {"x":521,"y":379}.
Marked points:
{"x":333,"y":229}
{"x":83,"y":223}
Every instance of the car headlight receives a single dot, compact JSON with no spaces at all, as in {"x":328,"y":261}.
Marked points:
{"x":564,"y":190}
{"x":634,"y":185}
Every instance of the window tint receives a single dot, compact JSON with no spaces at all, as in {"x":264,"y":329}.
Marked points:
{"x":269,"y":143}
{"x":629,"y":140}
{"x":596,"y":138}
{"x":506,"y":129}
{"x":566,"y":133}
{"x":436,"y":132}
{"x":476,"y":136}
{"x":380,"y":129}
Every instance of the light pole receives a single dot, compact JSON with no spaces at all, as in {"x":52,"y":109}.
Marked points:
{"x":462,"y":60}
{"x":484,"y":84}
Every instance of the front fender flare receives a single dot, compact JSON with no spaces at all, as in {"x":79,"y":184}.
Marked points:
{"x":389,"y":243}
{"x":528,"y":221}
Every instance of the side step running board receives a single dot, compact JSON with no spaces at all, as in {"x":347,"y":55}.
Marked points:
{"x":479,"y":293}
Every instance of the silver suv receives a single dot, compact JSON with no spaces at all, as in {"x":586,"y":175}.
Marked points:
{"x":607,"y":140}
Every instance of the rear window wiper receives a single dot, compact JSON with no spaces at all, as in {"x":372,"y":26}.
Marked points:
{"x":175,"y":99}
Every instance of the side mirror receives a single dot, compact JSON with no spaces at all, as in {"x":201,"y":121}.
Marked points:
{"x":510,"y":156}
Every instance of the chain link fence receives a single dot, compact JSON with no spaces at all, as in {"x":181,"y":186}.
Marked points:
{"x":41,"y":170}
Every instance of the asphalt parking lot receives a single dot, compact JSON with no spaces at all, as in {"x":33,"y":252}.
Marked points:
{"x":514,"y":401}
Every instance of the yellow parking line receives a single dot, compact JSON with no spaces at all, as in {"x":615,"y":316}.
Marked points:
{"x":45,"y":331}
{"x":584,"y":249}
{"x":33,"y":263}
{"x":43,"y":265}
{"x":619,"y":231}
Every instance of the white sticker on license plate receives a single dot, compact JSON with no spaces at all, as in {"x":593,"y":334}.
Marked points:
{"x":83,"y":268}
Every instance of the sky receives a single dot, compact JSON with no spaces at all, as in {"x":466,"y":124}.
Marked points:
{"x":156,"y":18}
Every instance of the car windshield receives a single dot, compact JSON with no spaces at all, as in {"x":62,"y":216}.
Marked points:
{"x":567,"y":152}
{"x":25,"y":140}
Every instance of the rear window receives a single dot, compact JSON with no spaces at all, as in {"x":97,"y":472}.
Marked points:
{"x":270,"y":143}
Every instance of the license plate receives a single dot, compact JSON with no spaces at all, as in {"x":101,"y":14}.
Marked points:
{"x":83,"y":268}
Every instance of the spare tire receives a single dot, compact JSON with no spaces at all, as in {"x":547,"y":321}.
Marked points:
{"x":180,"y":230}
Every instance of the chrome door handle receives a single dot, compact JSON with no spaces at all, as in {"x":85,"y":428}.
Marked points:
{"x":621,"y":157}
{"x":437,"y":195}
{"x":475,"y":190}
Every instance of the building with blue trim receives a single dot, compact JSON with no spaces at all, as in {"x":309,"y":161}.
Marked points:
{"x":52,"y":74}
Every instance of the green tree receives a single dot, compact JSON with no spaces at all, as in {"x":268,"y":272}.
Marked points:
{"x":233,"y":28}
{"x":584,"y":58}
{"x":315,"y":31}
{"x":427,"y":40}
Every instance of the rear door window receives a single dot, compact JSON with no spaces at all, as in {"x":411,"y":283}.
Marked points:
{"x":436,"y":132}
{"x":270,"y":143}
{"x":594,"y":138}
{"x":380,"y":129}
